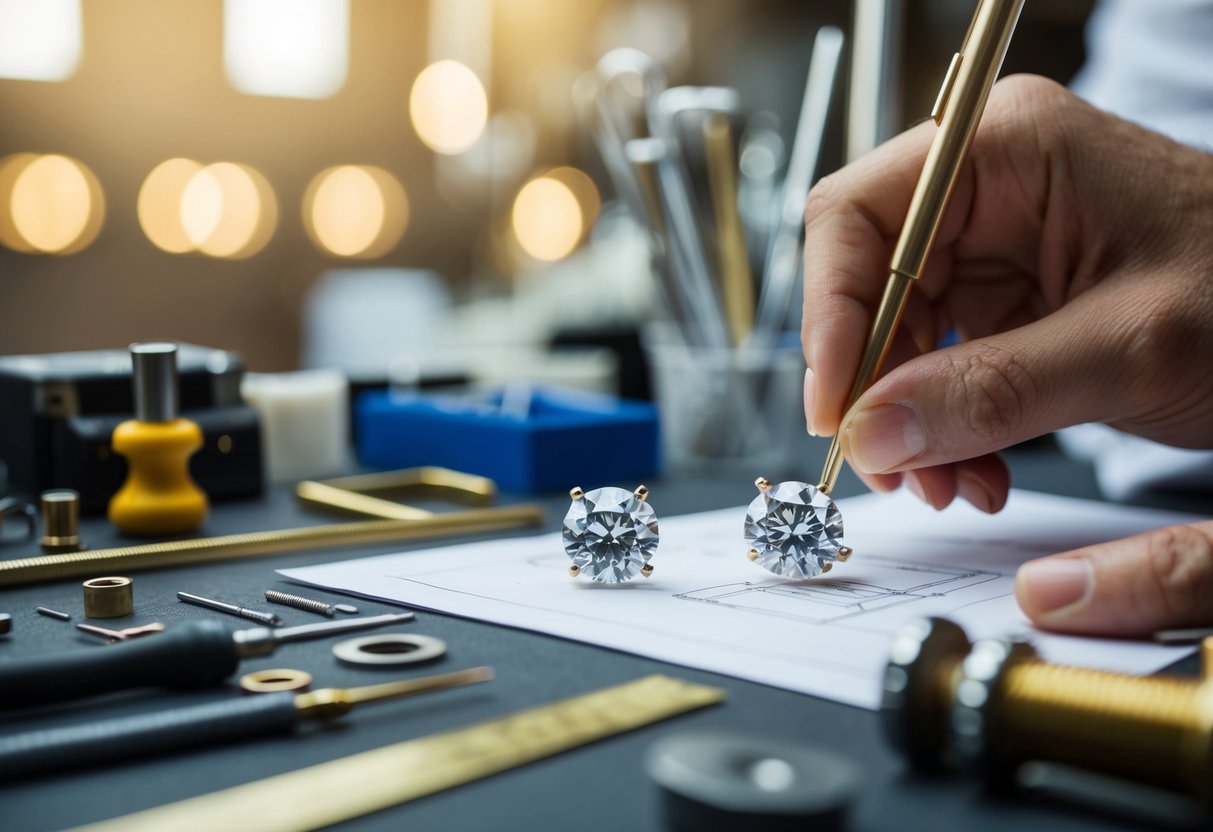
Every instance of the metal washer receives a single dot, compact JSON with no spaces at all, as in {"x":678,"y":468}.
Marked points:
{"x":389,"y":649}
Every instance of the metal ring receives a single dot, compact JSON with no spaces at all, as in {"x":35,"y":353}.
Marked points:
{"x":275,"y":680}
{"x":389,"y":649}
{"x":111,"y":597}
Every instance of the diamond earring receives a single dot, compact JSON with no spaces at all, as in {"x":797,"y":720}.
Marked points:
{"x":794,"y":530}
{"x":610,"y":534}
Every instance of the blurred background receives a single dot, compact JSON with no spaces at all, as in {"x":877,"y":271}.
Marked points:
{"x":311,"y":182}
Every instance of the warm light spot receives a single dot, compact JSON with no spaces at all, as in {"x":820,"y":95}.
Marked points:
{"x":40,"y":40}
{"x":54,"y":204}
{"x":547,"y":218}
{"x":448,"y":106}
{"x":355,"y":211}
{"x":10,"y":169}
{"x":583,"y":189}
{"x":160,"y":203}
{"x":228,"y":210}
{"x":290,"y":48}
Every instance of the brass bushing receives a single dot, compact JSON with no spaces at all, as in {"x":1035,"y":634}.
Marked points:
{"x":60,"y":521}
{"x":111,"y":597}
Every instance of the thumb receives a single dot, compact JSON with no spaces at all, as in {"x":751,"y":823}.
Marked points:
{"x":981,"y":396}
{"x":1158,"y":580}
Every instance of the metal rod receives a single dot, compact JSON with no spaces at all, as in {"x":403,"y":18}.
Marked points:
{"x":268,"y":618}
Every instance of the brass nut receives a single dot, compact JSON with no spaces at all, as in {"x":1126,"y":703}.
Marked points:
{"x":275,"y":680}
{"x":111,"y":597}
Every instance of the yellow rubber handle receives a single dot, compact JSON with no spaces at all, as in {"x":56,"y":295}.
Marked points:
{"x":159,"y":496}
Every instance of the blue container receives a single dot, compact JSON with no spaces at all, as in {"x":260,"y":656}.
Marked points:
{"x":564,"y":439}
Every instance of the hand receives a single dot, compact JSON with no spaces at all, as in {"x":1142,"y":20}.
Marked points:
{"x":1076,"y":261}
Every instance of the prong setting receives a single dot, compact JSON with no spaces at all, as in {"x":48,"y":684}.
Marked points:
{"x":762,"y":484}
{"x":641,"y":492}
{"x":646,"y":570}
{"x":752,"y":554}
{"x":576,"y":493}
{"x":844,"y":553}
{"x":574,"y":571}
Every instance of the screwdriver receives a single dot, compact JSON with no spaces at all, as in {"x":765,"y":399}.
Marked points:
{"x":104,"y":741}
{"x":198,"y":654}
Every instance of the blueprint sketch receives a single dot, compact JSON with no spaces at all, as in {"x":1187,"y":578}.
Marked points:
{"x":707,"y":606}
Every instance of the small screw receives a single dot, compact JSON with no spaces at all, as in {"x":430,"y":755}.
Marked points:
{"x":275,"y":596}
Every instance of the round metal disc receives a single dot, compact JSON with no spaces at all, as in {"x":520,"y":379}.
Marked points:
{"x":275,"y":680}
{"x":726,"y":780}
{"x":389,"y":649}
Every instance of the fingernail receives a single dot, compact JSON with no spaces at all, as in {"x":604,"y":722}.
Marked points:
{"x":883,"y":437}
{"x":808,"y":401}
{"x":976,"y":491}
{"x":1053,"y":585}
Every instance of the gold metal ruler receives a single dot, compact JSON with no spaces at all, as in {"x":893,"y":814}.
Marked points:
{"x":226,"y":547}
{"x":319,"y":796}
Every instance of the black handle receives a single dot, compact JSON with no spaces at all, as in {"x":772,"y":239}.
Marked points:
{"x":197,"y":654}
{"x":54,"y":749}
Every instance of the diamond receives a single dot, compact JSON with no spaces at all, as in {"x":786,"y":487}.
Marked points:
{"x":794,"y":530}
{"x":610,"y":534}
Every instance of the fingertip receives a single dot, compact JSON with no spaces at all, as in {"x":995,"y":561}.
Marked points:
{"x":1053,"y":592}
{"x":984,"y":482}
{"x":935,"y":486}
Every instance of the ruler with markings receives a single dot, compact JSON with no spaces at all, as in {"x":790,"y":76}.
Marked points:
{"x":319,"y":796}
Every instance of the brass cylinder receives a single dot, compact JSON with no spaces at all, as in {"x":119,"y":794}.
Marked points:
{"x":111,"y":597}
{"x":60,"y":521}
{"x":1156,"y":730}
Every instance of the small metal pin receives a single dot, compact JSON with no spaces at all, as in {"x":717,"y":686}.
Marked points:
{"x":646,"y":570}
{"x":574,"y":570}
{"x":641,"y":492}
{"x":267,"y":618}
{"x":49,"y":613}
{"x":762,"y":484}
{"x":752,"y":554}
{"x":576,"y":493}
{"x":844,"y":553}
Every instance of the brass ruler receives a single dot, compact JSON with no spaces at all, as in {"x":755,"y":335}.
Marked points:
{"x":349,"y":787}
{"x":226,"y":547}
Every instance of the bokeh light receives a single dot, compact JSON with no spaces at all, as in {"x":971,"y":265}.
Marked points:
{"x":223,"y":210}
{"x":159,"y":205}
{"x":553,"y":211}
{"x":50,"y":203}
{"x":448,"y":106}
{"x":355,"y":211}
{"x":41,"y":40}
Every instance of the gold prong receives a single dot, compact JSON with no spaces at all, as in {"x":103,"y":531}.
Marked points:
{"x":646,"y":570}
{"x":763,"y":484}
{"x":576,"y":493}
{"x":574,"y":570}
{"x":641,"y":492}
{"x":752,"y":554}
{"x":844,"y":553}
{"x":823,"y":488}
{"x":826,"y":567}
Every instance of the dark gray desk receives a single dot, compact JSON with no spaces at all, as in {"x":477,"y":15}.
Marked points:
{"x":598,"y":787}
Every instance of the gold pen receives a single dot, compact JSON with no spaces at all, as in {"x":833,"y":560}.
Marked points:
{"x":957,"y":110}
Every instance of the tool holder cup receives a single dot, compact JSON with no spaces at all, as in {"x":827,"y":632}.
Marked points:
{"x":725,"y":408}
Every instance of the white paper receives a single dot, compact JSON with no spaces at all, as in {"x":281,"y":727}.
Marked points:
{"x":707,"y":606}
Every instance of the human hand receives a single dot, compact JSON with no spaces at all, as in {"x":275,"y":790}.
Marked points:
{"x":1076,"y":261}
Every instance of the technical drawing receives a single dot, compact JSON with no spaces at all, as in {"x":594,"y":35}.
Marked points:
{"x":887,"y":583}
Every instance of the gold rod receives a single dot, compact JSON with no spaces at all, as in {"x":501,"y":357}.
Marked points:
{"x":226,"y":547}
{"x":736,"y":281}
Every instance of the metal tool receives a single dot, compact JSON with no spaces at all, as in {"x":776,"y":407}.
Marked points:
{"x":61,"y":521}
{"x":872,"y":111}
{"x":349,"y":787}
{"x":678,"y":208}
{"x":267,"y":618}
{"x":104,"y":741}
{"x":252,"y":544}
{"x":277,"y":680}
{"x":390,"y":649}
{"x":49,"y":613}
{"x":288,"y":599}
{"x":112,"y":597}
{"x":196,"y":654}
{"x":957,"y":111}
{"x":736,"y":281}
{"x":357,"y":494}
{"x":783,"y":259}
{"x":121,"y":635}
{"x":994,"y":705}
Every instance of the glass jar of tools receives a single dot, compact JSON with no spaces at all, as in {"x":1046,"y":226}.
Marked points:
{"x":725,"y":408}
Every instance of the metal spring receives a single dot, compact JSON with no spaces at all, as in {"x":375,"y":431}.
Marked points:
{"x":299,"y":602}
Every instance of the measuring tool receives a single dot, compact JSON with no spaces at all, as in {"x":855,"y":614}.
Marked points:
{"x":227,"y":547}
{"x":106,"y":740}
{"x":349,"y":787}
{"x":196,"y":654}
